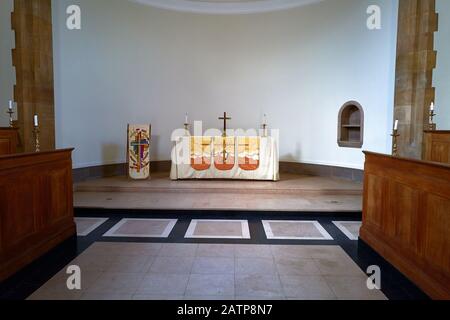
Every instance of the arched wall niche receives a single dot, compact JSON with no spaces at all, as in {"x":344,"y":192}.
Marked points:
{"x":351,"y":125}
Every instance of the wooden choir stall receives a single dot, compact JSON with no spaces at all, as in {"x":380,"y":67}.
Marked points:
{"x":406,"y":218}
{"x":437,"y":146}
{"x":36,"y":206}
{"x":9,"y":140}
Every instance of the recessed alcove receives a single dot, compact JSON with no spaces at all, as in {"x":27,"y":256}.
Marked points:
{"x":351,"y":125}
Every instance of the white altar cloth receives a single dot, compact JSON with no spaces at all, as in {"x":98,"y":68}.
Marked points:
{"x":266,"y":157}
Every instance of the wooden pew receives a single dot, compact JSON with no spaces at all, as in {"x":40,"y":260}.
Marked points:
{"x":9,"y":140}
{"x":406,"y":218}
{"x":36,"y":206}
{"x":437,"y":146}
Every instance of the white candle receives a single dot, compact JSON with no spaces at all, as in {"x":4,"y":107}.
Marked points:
{"x":187,"y":118}
{"x":36,"y":121}
{"x":432,"y":106}
{"x":396,"y":125}
{"x":10,"y":105}
{"x":265,"y":119}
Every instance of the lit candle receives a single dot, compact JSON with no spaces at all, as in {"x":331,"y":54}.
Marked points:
{"x":432,"y":106}
{"x":10,"y":105}
{"x":396,"y":125}
{"x":36,"y":121}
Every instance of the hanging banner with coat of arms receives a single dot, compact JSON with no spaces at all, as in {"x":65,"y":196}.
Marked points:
{"x":139,"y":151}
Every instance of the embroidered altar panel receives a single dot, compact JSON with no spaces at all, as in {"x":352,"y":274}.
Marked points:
{"x":139,"y":151}
{"x":224,"y":153}
{"x":201,"y":148}
{"x":249,"y":151}
{"x":240,"y":158}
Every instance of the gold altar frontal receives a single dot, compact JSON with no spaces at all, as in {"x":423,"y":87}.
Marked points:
{"x":237,"y":158}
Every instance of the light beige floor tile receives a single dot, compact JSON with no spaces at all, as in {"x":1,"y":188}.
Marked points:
{"x":106,"y":296}
{"x":118,"y":283}
{"x":296,"y":267}
{"x":338,"y":266}
{"x":208,"y":265}
{"x":178,"y":250}
{"x":349,"y":228}
{"x":131,"y":264}
{"x":44,"y":295}
{"x":263,"y":286}
{"x":142,"y":228}
{"x":250,"y":298}
{"x":58,"y":283}
{"x":172,"y":265}
{"x":163,"y":284}
{"x":123,"y":248}
{"x":353,"y":288}
{"x":252,"y":251}
{"x":99,"y":263}
{"x":210,"y":285}
{"x":306,"y":287}
{"x":215,"y":250}
{"x":87,"y":225}
{"x":326,"y":252}
{"x":290,"y":251}
{"x":157,"y":297}
{"x":216,"y":228}
{"x":208,"y":298}
{"x":264,"y":266}
{"x":293,"y":230}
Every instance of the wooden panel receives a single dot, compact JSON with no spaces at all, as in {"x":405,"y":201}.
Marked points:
{"x":9,"y":140}
{"x":36,"y":206}
{"x":406,"y":218}
{"x":33,"y":60}
{"x":375,"y":186}
{"x":438,"y":223}
{"x":416,"y":59}
{"x":437,"y":146}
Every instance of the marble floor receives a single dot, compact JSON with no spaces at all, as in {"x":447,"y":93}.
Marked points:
{"x":173,"y":271}
{"x":148,"y":255}
{"x":292,"y":193}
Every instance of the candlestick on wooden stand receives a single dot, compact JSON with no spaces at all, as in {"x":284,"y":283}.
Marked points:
{"x":36,"y":131}
{"x":36,"y":139}
{"x":395,"y":136}
{"x":10,"y":112}
{"x":432,"y":125}
{"x":11,"y":121}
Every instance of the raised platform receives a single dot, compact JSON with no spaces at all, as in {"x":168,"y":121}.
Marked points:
{"x":297,"y":193}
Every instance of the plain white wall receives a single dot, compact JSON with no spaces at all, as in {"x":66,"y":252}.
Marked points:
{"x":135,"y":64}
{"x":441,"y":76}
{"x":7,"y":72}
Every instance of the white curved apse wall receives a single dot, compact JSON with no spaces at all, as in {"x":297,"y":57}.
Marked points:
{"x":135,"y":64}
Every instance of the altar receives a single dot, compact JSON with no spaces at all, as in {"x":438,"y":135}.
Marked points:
{"x":226,"y":157}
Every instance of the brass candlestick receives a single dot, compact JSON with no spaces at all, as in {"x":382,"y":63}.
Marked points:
{"x":431,"y":124}
{"x":11,"y":121}
{"x":36,"y":139}
{"x":395,"y":136}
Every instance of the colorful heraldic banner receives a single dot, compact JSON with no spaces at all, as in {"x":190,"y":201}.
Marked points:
{"x":139,"y":151}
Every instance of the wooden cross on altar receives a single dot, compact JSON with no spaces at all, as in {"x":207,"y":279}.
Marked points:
{"x":224,"y":118}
